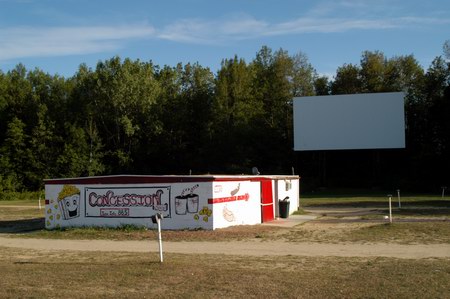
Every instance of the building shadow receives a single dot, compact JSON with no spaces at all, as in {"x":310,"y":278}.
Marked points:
{"x":22,"y":225}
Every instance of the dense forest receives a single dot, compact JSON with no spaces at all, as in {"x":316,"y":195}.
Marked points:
{"x":136,"y":117}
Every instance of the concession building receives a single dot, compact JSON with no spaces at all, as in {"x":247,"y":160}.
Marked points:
{"x":186,"y":202}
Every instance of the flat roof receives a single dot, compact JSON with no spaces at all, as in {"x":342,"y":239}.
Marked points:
{"x":149,"y":179}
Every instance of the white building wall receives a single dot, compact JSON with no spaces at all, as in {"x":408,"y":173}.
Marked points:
{"x":236,"y":203}
{"x":184,"y":205}
{"x":287,"y":187}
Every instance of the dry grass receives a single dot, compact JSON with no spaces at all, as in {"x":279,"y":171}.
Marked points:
{"x":325,"y":232}
{"x":405,"y":232}
{"x":67,"y":274}
{"x":24,"y":202}
{"x":27,"y":273}
{"x":20,"y":213}
{"x":236,"y":233}
{"x":361,"y":232}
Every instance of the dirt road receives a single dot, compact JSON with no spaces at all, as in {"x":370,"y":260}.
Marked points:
{"x":249,"y":248}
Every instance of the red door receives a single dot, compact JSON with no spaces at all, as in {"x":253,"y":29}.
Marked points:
{"x":266,"y":201}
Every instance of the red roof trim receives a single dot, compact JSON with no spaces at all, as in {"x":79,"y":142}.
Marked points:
{"x":128,"y":179}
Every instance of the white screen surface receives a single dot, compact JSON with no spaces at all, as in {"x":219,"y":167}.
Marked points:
{"x":359,"y":121}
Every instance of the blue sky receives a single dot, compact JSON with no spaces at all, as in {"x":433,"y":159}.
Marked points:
{"x":58,"y":35}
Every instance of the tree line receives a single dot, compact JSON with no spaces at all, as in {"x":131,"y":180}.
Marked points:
{"x":131,"y":116}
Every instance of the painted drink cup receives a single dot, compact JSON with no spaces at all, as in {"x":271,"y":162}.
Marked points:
{"x":181,"y":205}
{"x":192,"y":203}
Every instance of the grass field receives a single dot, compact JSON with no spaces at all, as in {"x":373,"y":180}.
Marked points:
{"x":27,"y":273}
{"x":356,"y":232}
{"x":362,"y":199}
{"x":51,"y":274}
{"x":24,"y":202}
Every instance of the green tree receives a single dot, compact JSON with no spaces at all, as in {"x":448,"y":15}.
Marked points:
{"x":403,"y":73}
{"x":3,"y":105}
{"x":278,"y":78}
{"x":235,"y":113}
{"x":437,"y":81}
{"x":347,"y":80}
{"x":81,"y":154}
{"x":303,"y":76}
{"x":446,"y":49}
{"x":15,"y":156}
{"x":118,"y":97}
{"x":197,"y":86}
{"x":372,"y":71}
{"x":322,"y":86}
{"x":235,"y":103}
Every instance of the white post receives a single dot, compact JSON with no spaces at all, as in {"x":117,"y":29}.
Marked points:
{"x":40,"y":207}
{"x":158,"y":220}
{"x":390,"y":208}
{"x":443,"y":191}
{"x":398,"y":195}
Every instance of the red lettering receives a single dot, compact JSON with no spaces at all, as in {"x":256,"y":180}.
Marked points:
{"x":245,"y":197}
{"x":158,"y":197}
{"x":93,"y":199}
{"x":112,"y":200}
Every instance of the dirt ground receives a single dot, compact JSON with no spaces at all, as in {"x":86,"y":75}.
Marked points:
{"x":250,"y":248}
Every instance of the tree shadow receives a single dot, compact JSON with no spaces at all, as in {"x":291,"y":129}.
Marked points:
{"x":22,"y":225}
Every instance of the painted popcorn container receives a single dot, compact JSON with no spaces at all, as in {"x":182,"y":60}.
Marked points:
{"x":69,"y":202}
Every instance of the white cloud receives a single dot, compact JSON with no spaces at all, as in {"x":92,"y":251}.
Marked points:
{"x":245,"y":25}
{"x":324,"y":17}
{"x":309,"y":25}
{"x":214,"y":32}
{"x":37,"y":42}
{"x":191,"y":31}
{"x":20,"y":42}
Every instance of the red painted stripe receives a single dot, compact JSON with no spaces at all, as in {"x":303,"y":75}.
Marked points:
{"x":245,"y":197}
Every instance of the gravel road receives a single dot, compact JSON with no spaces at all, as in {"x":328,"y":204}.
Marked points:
{"x":248,"y":248}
